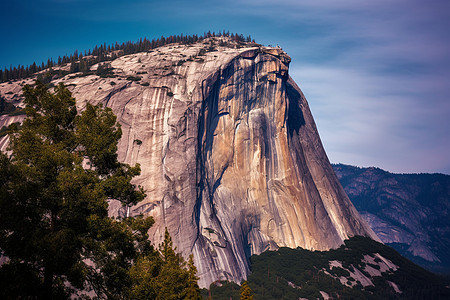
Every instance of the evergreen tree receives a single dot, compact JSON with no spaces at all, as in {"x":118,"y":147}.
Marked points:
{"x":83,"y":66}
{"x":172,"y":279}
{"x":164,"y":276}
{"x":246,"y":292}
{"x":144,"y":274}
{"x":2,"y":105}
{"x":74,"y":67}
{"x":54,"y":224}
{"x":193,"y":290}
{"x":105,"y":53}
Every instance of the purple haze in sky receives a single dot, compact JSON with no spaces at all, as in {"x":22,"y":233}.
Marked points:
{"x":376,"y":74}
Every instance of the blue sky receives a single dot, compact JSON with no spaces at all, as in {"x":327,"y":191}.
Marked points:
{"x":376,"y":73}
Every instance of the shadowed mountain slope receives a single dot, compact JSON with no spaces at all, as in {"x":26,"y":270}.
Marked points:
{"x":410,"y":212}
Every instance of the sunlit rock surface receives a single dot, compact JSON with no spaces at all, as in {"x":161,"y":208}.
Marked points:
{"x":231,"y":160}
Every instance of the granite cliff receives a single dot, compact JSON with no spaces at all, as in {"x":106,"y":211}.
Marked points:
{"x":231,"y":159}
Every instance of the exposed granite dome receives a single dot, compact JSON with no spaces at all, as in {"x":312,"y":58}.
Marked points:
{"x":231,"y":159}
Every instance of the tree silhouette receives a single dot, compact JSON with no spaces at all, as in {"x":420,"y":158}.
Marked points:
{"x":105,"y":53}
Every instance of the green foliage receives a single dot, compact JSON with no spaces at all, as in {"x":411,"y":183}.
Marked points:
{"x":164,"y":276}
{"x":105,"y":71}
{"x":9,"y":129}
{"x":78,"y":63}
{"x":193,"y":290}
{"x":173,"y":277}
{"x":80,"y":66}
{"x":222,"y":290}
{"x":3,"y":131}
{"x":340,"y":272}
{"x":246,"y":292}
{"x":54,"y":224}
{"x":10,"y":109}
{"x":50,"y":74}
{"x":46,"y":195}
{"x":143,"y":276}
{"x":298,"y":273}
{"x":17,"y":112}
{"x":128,"y":241}
{"x":210,"y":230}
{"x":5,"y":107}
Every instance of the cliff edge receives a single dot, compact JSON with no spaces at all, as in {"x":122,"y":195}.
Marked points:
{"x":231,"y":159}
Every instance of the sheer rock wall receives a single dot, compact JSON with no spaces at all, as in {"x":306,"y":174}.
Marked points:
{"x":231,"y":160}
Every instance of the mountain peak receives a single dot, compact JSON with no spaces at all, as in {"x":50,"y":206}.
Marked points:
{"x":231,"y":159}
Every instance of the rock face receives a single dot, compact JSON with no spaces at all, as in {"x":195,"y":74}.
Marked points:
{"x":231,"y":159}
{"x":410,"y":212}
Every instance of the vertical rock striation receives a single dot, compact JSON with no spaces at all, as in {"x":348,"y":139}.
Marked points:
{"x":231,"y":160}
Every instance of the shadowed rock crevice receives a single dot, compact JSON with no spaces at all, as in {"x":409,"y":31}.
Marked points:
{"x":295,"y":117}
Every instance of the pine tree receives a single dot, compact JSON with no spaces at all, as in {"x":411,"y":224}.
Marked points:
{"x":74,"y":67}
{"x":104,"y":53}
{"x":172,"y":280}
{"x":164,"y":276}
{"x":246,"y":292}
{"x":83,"y":66}
{"x":2,"y":105}
{"x":193,"y":291}
{"x":53,"y":211}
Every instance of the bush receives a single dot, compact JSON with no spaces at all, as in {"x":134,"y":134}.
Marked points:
{"x":10,"y":109}
{"x":180,"y":62}
{"x":202,"y":52}
{"x":3,"y":131}
{"x":105,"y":71}
{"x":134,"y":78}
{"x":7,"y":129}
{"x":340,"y":272}
{"x":18,"y":112}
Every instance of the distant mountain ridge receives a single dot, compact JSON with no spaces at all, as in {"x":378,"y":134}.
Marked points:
{"x":410,"y":212}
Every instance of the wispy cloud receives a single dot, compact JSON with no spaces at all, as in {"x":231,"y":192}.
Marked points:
{"x":372,"y":120}
{"x":378,"y":83}
{"x":376,"y":73}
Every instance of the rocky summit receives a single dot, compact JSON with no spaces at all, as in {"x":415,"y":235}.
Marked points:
{"x":231,"y":159}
